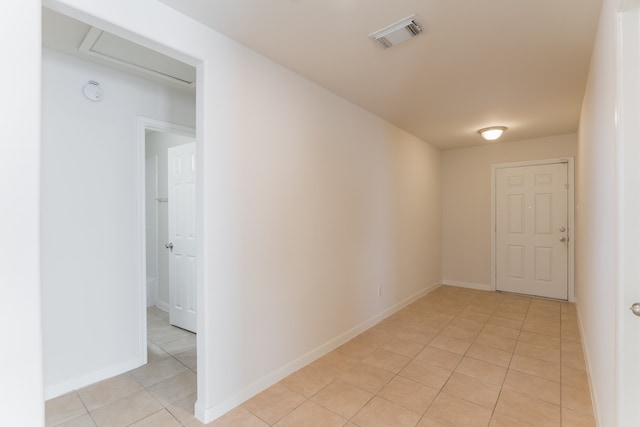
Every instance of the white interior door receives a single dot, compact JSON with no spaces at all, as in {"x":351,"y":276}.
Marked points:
{"x":182,"y":236}
{"x":532,"y":230}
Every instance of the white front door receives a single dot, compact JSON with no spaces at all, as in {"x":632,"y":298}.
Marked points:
{"x":532,"y":230}
{"x":182,"y":236}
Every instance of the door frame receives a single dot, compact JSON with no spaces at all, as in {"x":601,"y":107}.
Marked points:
{"x":627,"y":350}
{"x":144,"y":123}
{"x":570,"y":220}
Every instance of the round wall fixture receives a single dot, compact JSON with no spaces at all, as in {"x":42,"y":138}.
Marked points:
{"x":92,"y":91}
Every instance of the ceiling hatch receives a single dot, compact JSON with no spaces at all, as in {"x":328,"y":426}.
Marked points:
{"x":112,"y":48}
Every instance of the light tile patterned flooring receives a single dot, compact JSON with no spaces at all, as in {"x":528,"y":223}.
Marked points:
{"x":456,"y":358}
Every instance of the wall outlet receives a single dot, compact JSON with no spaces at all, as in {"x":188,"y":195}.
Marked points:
{"x":379,"y":290}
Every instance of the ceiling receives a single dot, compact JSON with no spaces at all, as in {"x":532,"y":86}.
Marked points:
{"x":516,"y":63}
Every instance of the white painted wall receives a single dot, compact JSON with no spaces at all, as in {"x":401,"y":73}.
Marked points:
{"x":21,"y":389}
{"x":596,"y":218}
{"x":466,"y":206}
{"x":308,"y":205}
{"x":157,"y":144}
{"x":91,"y":264}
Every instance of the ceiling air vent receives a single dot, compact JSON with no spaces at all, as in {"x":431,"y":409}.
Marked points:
{"x":397,"y":32}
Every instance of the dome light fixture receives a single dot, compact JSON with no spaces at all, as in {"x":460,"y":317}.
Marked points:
{"x":492,"y":133}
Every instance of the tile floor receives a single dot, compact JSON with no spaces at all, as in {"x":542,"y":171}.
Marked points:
{"x":456,"y":357}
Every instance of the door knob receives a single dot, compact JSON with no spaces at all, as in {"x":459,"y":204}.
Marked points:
{"x":563,"y":239}
{"x":635,"y":309}
{"x":169,"y":245}
{"x":562,"y":229}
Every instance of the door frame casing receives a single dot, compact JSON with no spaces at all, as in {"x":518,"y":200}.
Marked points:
{"x":570,"y":217}
{"x":144,"y":123}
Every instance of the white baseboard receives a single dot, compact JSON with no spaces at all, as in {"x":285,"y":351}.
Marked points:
{"x":164,"y":306}
{"x":59,"y":389}
{"x":468,"y":285}
{"x":586,"y":361}
{"x":207,"y":415}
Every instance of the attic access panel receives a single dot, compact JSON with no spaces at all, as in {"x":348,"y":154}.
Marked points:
{"x":112,"y":48}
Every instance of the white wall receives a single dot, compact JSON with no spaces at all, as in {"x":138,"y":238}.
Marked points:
{"x":466,"y":206}
{"x":21,"y":402}
{"x":157,"y":144}
{"x":91,"y":267}
{"x":596,"y":218}
{"x":308,"y":205}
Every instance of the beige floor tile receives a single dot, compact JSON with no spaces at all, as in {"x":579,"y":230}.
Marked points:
{"x":453,"y":345}
{"x":474,"y":316}
{"x":409,"y":394}
{"x":473,"y":390}
{"x":442,"y":358}
{"x":538,"y":368}
{"x":333,"y":364}
{"x":307,"y":381}
{"x":573,"y":360}
{"x":460,"y":333}
{"x":467,"y":324}
{"x":572,"y":346}
{"x":571,"y":418}
{"x":483,"y":371}
{"x":183,"y":409}
{"x":153,"y":373}
{"x":356,"y":349}
{"x":453,"y":411}
{"x":501,"y":331}
{"x":490,"y":355}
{"x":380,"y":412}
{"x":367,"y":377}
{"x":539,"y":339}
{"x":577,"y":399}
{"x":426,"y":374}
{"x":539,"y":352}
{"x":342,"y":398}
{"x":498,"y":343}
{"x":311,"y":414}
{"x":501,"y":420}
{"x":274,"y":403}
{"x":510,"y":314}
{"x":541,"y":328}
{"x":537,"y":387}
{"x":155,"y":353}
{"x":421,"y":336}
{"x":428,"y":422}
{"x":160,"y":419}
{"x":63,"y":408}
{"x":527,"y":409}
{"x":387,"y":360}
{"x":179,"y":345}
{"x":188,"y":358}
{"x":236,"y":418}
{"x":404,"y":347}
{"x":82,"y":421}
{"x":576,"y":378}
{"x":175,"y":388}
{"x":499,"y":320}
{"x":107,"y":391}
{"x":126,"y":411}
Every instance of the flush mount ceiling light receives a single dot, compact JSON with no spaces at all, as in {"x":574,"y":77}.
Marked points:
{"x":397,"y":32}
{"x":492,"y":133}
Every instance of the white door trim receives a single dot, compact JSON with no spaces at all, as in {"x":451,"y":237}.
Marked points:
{"x":627,"y":230}
{"x":145,"y":123}
{"x":570,"y":212}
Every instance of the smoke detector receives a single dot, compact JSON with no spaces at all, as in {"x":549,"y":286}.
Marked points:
{"x":397,"y":32}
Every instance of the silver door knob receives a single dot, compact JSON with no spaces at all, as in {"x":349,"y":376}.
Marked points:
{"x":562,"y":229}
{"x":169,"y":245}
{"x":563,"y":239}
{"x":635,"y":309}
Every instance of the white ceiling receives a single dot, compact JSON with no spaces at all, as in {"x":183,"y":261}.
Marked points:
{"x":516,"y":63}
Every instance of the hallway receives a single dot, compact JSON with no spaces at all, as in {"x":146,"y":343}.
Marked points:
{"x":456,"y":358}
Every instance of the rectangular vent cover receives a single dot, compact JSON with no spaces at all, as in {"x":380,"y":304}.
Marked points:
{"x":397,"y":32}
